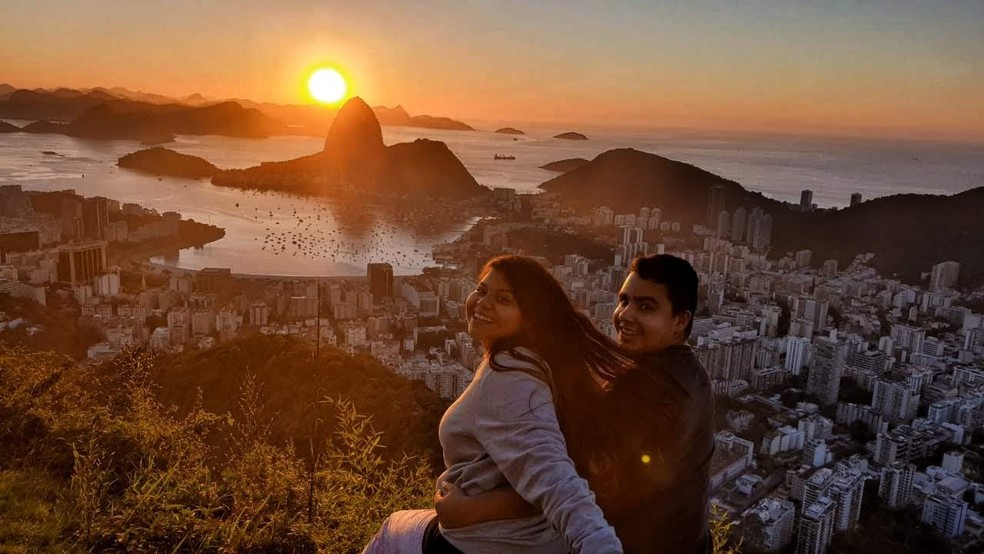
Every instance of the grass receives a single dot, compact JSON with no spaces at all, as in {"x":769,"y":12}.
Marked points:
{"x":30,"y":520}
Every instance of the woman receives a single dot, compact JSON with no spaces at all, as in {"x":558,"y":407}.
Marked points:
{"x":544,"y":370}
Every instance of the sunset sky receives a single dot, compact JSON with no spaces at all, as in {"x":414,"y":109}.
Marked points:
{"x":895,"y":66}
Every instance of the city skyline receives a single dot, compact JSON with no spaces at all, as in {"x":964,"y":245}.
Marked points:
{"x":879,"y":68}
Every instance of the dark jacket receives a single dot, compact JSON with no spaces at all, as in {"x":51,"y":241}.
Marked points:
{"x":656,"y":494}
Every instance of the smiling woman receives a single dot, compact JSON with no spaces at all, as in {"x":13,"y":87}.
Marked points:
{"x":327,"y":85}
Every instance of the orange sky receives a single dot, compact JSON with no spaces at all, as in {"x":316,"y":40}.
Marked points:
{"x":876,"y":68}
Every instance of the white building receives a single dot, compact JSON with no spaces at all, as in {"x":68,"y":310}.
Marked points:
{"x":816,"y":527}
{"x":945,"y":513}
{"x":769,"y":524}
{"x":896,"y":484}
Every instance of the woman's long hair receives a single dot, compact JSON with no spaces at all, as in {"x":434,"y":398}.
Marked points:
{"x":579,"y":358}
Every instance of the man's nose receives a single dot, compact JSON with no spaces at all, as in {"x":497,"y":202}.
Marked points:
{"x":626,"y":313}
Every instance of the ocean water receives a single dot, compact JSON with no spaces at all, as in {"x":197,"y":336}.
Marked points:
{"x":276,"y":234}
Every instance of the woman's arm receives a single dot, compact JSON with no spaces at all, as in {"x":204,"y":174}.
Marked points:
{"x":456,"y":509}
{"x":518,"y":427}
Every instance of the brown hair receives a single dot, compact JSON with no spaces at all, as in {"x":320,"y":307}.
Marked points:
{"x":578,"y":357}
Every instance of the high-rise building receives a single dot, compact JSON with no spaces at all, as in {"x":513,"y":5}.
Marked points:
{"x":769,"y":524}
{"x":380,"y":276}
{"x":908,"y":338}
{"x":762,"y":236}
{"x":95,"y":217}
{"x":953,"y":462}
{"x":817,"y":485}
{"x":816,"y":527}
{"x":723,"y":225}
{"x":855,"y":199}
{"x":738,"y":225}
{"x":826,"y":369}
{"x":214,"y":280}
{"x":847,"y":490}
{"x":871,"y":360}
{"x":830,"y":268}
{"x":896,"y":484}
{"x":803,"y":258}
{"x":816,"y":453}
{"x":895,"y":399}
{"x":79,"y":263}
{"x":944,"y":276}
{"x":806,"y":200}
{"x":894,"y":446}
{"x":715,"y":204}
{"x":945,"y":513}
{"x":797,"y":349}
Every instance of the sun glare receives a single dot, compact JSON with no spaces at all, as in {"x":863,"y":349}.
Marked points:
{"x":327,"y":85}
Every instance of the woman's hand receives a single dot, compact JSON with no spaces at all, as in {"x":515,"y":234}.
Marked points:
{"x":456,"y":509}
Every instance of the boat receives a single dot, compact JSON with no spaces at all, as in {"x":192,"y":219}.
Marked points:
{"x":504,"y":157}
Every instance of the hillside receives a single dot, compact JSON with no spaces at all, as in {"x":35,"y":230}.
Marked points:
{"x":907,"y":233}
{"x":284,"y":369}
{"x":626,"y":180}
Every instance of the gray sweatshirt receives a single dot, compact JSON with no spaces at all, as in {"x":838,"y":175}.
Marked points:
{"x":503,"y":430}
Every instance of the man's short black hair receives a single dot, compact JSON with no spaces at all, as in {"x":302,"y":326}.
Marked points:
{"x":677,"y":275}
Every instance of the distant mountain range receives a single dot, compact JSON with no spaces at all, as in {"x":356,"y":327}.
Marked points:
{"x":146,"y":114}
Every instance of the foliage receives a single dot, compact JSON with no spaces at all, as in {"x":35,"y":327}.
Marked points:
{"x":96,"y":462}
{"x":58,"y":322}
{"x":723,"y":531}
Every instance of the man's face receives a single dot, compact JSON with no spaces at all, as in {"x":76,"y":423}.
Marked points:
{"x":644,"y":317}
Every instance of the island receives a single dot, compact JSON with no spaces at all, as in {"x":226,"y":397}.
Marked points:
{"x":8,"y":127}
{"x":355,"y":161}
{"x":563,"y":166}
{"x":165,"y":162}
{"x":571,"y":135}
{"x":509,"y":131}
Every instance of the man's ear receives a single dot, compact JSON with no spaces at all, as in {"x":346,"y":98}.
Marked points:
{"x":682,"y":319}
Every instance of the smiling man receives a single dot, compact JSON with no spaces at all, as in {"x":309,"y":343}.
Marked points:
{"x":672,"y":406}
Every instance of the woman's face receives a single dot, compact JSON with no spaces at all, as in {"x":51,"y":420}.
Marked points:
{"x":492,"y":311}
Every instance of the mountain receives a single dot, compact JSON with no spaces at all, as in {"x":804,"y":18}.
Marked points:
{"x":355,"y":159}
{"x":907,"y":233}
{"x":433,"y":122}
{"x":571,"y":135}
{"x":398,"y":117}
{"x":161,"y":161}
{"x":391,"y":116}
{"x":627,"y":179}
{"x":33,"y":105}
{"x":65,"y":105}
{"x":563,"y":166}
{"x":8,"y":127}
{"x":509,"y":131}
{"x":44,"y":127}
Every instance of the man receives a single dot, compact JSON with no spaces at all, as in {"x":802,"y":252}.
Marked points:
{"x":671,"y":390}
{"x":654,"y":491}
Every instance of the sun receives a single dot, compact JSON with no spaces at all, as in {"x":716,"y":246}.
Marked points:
{"x":327,"y":85}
